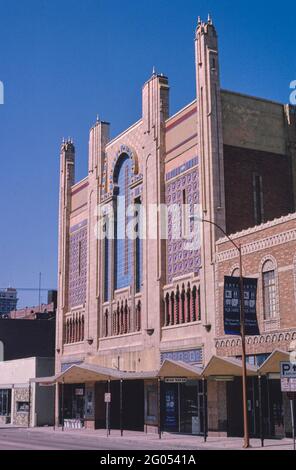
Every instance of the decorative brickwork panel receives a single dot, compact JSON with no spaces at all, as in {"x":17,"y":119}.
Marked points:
{"x":78,"y":266}
{"x":21,"y":406}
{"x":74,"y":328}
{"x":181,"y":261}
{"x":193,"y":356}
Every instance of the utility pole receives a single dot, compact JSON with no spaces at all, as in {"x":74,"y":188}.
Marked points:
{"x":39,"y":292}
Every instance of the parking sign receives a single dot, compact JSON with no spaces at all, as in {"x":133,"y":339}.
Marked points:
{"x":288,"y":377}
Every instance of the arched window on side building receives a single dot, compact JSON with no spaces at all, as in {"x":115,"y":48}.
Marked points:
{"x":269,"y":290}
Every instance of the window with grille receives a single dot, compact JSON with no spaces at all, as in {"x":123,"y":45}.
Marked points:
{"x":269,"y":295}
{"x":5,"y":402}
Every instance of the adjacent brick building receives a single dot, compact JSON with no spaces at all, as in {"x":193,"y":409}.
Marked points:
{"x":269,"y":255}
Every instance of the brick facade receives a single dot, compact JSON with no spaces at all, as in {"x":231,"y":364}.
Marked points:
{"x":240,"y":167}
{"x":273,"y":242}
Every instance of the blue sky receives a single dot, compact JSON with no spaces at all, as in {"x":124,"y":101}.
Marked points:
{"x":64,"y":61}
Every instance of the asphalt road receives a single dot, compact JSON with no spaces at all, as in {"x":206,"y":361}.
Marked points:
{"x":25,"y":439}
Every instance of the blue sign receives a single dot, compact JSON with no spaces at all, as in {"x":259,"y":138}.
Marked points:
{"x":170,"y":409}
{"x":192,"y":356}
{"x":232,"y":321}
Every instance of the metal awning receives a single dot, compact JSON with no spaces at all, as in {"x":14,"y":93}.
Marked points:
{"x":217,"y":367}
{"x":226,"y":367}
{"x":82,"y":373}
{"x":273,"y":363}
{"x":179,"y":369}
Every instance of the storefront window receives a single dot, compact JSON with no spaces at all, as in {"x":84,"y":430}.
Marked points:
{"x":183,"y":407}
{"x":151,"y":403}
{"x":22,"y":407}
{"x":74,"y":402}
{"x":256,"y":360}
{"x":190,"y":413}
{"x":5,"y":402}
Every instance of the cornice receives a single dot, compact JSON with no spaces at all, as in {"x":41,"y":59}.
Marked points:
{"x":258,"y":228}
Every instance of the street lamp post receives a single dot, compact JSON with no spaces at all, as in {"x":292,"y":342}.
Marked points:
{"x":243,"y":336}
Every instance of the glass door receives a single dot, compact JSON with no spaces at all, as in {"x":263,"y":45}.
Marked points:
{"x":190,"y":409}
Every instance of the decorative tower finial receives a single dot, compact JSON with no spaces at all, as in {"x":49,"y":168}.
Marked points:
{"x":199,"y":20}
{"x":153,"y":70}
{"x":98,"y":118}
{"x":210,"y":21}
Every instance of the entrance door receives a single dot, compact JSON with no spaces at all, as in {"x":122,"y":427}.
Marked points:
{"x":235,"y":407}
{"x":275,"y":409}
{"x":73,"y":406}
{"x":253,"y":407}
{"x":182,"y":405}
{"x":132,"y":401}
{"x":133,"y":405}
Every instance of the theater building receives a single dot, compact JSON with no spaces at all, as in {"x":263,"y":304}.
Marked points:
{"x":149,"y":304}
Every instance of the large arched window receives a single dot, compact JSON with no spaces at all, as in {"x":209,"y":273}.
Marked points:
{"x":123,"y":246}
{"x":138,"y":250}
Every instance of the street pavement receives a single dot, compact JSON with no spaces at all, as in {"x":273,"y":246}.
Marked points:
{"x":12,"y":438}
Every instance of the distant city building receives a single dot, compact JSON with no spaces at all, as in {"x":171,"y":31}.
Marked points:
{"x":39,"y":312}
{"x":8,"y":301}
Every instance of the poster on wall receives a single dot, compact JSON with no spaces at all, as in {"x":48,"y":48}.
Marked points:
{"x":232,"y":323}
{"x":170,"y":409}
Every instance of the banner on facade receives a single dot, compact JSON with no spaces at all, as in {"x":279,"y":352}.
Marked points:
{"x":232,"y":323}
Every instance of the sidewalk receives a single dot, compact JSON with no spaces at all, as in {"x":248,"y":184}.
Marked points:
{"x":213,"y":443}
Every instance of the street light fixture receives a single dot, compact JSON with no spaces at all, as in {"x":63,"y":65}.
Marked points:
{"x":243,"y":336}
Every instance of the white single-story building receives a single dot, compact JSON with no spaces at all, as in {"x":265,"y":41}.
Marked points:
{"x":22,"y":401}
